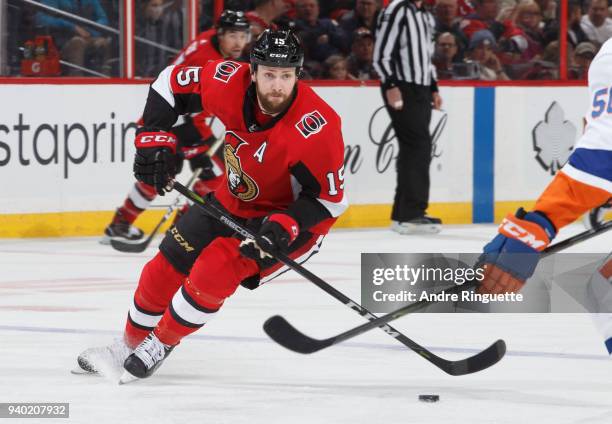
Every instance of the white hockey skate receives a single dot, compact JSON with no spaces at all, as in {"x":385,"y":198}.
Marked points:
{"x":104,"y":360}
{"x":145,"y":359}
{"x":421,"y":225}
{"x":122,"y":230}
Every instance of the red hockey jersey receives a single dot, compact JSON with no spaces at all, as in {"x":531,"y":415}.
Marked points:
{"x":294,"y":162}
{"x":200,"y":51}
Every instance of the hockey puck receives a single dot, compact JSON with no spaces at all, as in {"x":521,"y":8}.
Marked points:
{"x":429,"y":398}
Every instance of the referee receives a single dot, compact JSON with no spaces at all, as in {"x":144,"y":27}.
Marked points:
{"x":402,"y":57}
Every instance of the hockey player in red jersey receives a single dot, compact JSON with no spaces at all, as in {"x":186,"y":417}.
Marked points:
{"x":284,"y":179}
{"x":227,"y":40}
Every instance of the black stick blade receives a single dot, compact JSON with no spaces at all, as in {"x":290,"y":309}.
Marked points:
{"x":482,"y":360}
{"x":127,"y":247}
{"x":286,"y":335}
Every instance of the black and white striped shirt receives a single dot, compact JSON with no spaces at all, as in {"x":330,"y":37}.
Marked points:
{"x":404,"y":45}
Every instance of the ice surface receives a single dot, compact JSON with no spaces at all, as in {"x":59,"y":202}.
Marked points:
{"x":59,"y":296}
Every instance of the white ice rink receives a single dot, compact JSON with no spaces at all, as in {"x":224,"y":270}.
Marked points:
{"x":59,"y":296}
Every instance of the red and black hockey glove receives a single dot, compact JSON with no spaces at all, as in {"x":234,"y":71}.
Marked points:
{"x":155,"y":161}
{"x":275,"y":235}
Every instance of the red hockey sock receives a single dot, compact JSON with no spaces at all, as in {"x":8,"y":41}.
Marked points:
{"x":185,"y":314}
{"x":215,"y":276}
{"x":137,"y":201}
{"x":159,"y":281}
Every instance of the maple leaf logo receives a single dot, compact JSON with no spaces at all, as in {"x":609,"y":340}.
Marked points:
{"x":553,"y":139}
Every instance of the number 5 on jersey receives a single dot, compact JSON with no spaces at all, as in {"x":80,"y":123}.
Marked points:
{"x":599,"y":102}
{"x":188,"y":75}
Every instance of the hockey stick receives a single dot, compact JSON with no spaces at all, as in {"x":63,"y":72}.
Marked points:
{"x":279,"y":329}
{"x":141,"y":246}
{"x":475,"y":363}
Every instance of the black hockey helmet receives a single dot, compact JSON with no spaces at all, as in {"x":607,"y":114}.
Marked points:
{"x":279,"y":48}
{"x":232,"y":20}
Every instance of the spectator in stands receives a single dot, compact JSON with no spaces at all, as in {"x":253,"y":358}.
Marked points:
{"x":172,"y":27}
{"x":78,"y":42}
{"x":485,"y":17}
{"x":512,"y":51}
{"x":149,"y":59}
{"x":466,"y":7}
{"x":583,"y":56}
{"x":446,"y":55}
{"x":446,"y":14}
{"x":112,"y":10}
{"x":364,"y":15}
{"x":485,"y":11}
{"x":335,"y":9}
{"x":550,"y":61}
{"x":336,"y":68}
{"x":596,"y":24}
{"x":528,"y":19}
{"x":447,"y":20}
{"x":360,"y":61}
{"x":548,"y":9}
{"x":575,"y":34}
{"x":264,"y":15}
{"x":481,"y":51}
{"x":321,"y":37}
{"x":506,"y":11}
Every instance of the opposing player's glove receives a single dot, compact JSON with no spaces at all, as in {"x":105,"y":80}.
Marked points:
{"x":512,"y":256}
{"x":275,"y":235}
{"x":155,"y":162}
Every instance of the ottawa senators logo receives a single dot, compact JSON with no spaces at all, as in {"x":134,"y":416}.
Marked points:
{"x":240,"y":183}
{"x":311,"y":123}
{"x":225,"y":70}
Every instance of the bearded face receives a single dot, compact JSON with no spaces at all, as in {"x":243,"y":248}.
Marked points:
{"x":274,"y":87}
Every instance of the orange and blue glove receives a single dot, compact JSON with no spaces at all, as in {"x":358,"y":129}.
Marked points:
{"x":512,"y":256}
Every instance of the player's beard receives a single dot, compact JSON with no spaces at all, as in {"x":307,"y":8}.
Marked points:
{"x":273,"y":104}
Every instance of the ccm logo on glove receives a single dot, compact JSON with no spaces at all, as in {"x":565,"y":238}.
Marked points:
{"x":155,"y":139}
{"x":529,"y":233}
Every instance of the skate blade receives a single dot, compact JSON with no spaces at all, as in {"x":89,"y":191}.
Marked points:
{"x":127,"y":378}
{"x":417,"y":229}
{"x":81,"y":371}
{"x":105,"y":241}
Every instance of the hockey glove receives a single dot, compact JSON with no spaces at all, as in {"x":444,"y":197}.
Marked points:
{"x":512,"y":256}
{"x":275,"y":235}
{"x":155,"y":161}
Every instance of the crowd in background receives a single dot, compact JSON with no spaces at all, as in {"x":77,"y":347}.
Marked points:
{"x":475,"y":39}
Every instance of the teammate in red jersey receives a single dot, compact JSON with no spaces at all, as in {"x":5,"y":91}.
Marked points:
{"x":284,"y":179}
{"x":227,"y":40}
